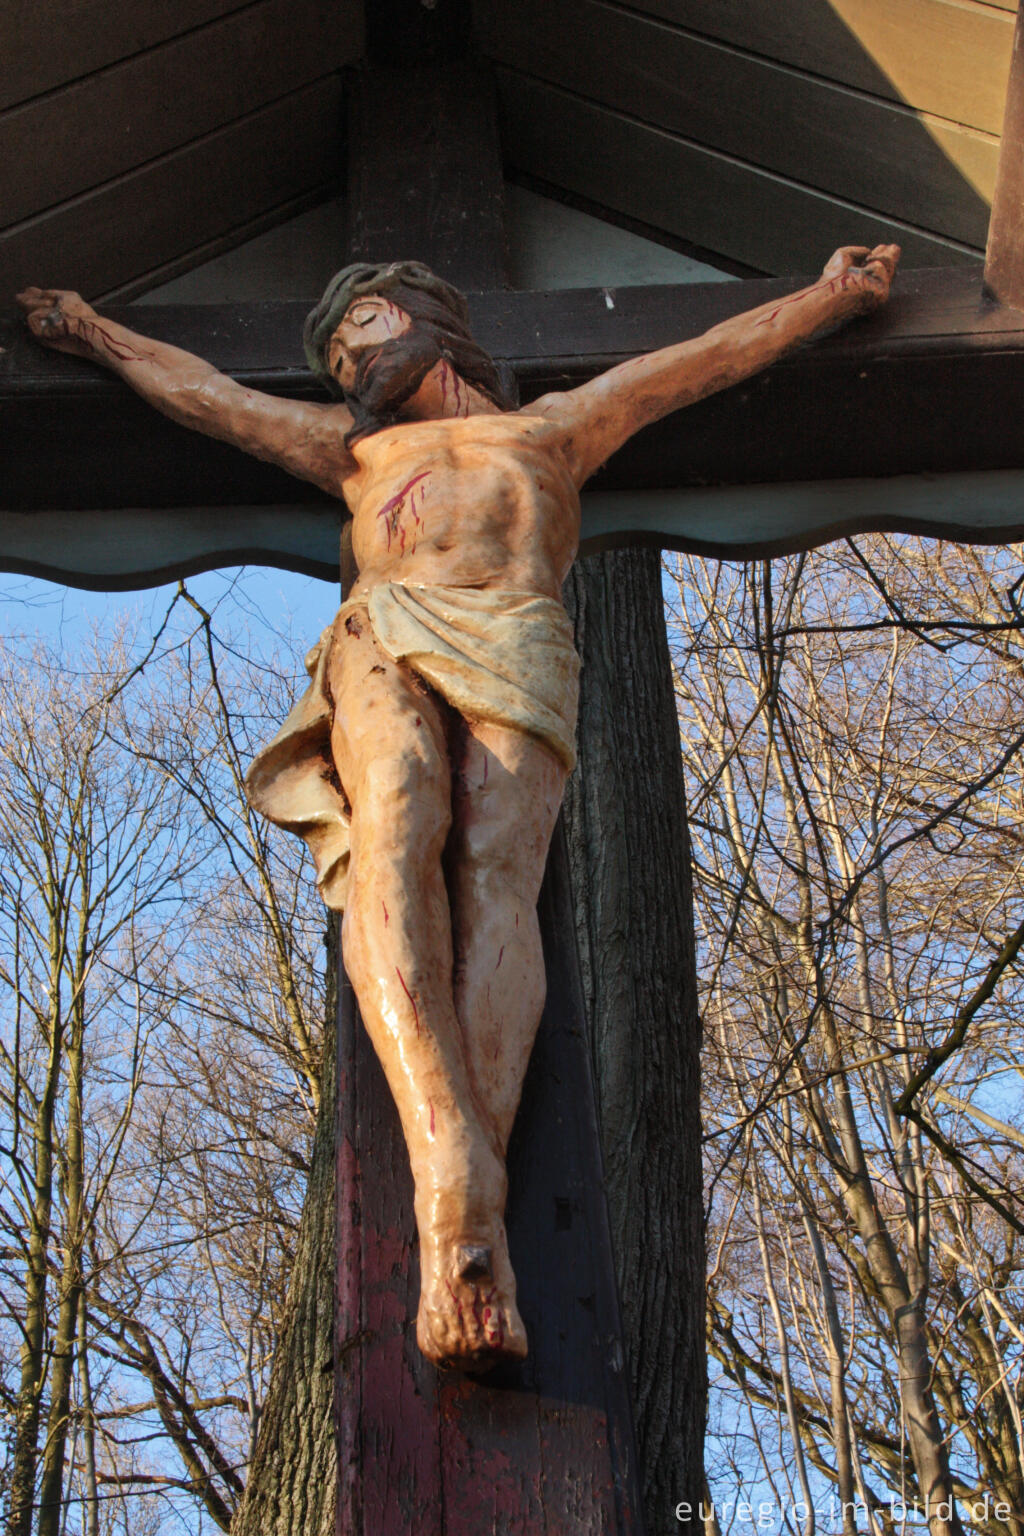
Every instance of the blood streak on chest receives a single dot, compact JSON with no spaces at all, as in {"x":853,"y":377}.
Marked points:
{"x":396,"y":526}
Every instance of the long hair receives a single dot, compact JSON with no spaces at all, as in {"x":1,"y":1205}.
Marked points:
{"x":430,"y":303}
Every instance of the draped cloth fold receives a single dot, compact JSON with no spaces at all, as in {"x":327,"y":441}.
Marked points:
{"x":506,"y":657}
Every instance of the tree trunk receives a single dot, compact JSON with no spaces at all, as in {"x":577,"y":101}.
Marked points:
{"x":291,"y":1484}
{"x":627,"y":828}
{"x":629,"y":848}
{"x":92,"y":1500}
{"x":63,"y":1352}
{"x":62,"y":1365}
{"x":25,"y":1459}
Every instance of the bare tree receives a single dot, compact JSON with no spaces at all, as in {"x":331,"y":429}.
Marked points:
{"x":851,"y":727}
{"x":851,"y":732}
{"x":90,"y":883}
{"x":159,"y":1077}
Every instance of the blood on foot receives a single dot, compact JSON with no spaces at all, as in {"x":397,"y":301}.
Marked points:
{"x":467,"y":1316}
{"x":455,"y":1300}
{"x":483,"y":1313}
{"x":484,"y":1335}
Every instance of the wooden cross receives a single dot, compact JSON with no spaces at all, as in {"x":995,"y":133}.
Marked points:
{"x":928,"y":387}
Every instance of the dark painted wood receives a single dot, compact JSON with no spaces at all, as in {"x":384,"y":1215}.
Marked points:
{"x":226,"y":240}
{"x":408,"y":32}
{"x":425,"y":172}
{"x":537,"y":331}
{"x":110,"y":122}
{"x":386,"y":1419}
{"x":904,"y":414}
{"x":939,"y":56}
{"x":924,"y":386}
{"x":672,"y":183}
{"x":48,"y":43}
{"x":1004,"y":257}
{"x":541,"y":1449}
{"x":635,"y":226}
{"x":849,"y":144}
{"x":135,"y":224}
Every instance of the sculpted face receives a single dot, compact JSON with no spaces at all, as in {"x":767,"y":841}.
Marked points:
{"x":368,"y":324}
{"x":380,"y":356}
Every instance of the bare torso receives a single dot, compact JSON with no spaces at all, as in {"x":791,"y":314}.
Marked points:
{"x":482,"y":501}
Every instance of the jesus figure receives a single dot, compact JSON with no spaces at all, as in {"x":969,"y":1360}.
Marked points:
{"x":425,"y":765}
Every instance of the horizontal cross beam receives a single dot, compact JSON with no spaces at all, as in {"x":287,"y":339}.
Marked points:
{"x":100,"y":490}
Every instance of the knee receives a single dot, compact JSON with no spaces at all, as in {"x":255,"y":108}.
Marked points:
{"x":406,"y":801}
{"x":504,"y":862}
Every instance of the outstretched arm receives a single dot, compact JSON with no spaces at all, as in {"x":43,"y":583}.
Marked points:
{"x":301,"y":436}
{"x":602,"y":414}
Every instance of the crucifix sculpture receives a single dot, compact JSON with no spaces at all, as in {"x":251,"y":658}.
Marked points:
{"x":425,"y":766}
{"x":921,"y":391}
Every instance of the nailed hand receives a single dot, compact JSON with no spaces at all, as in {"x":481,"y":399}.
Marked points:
{"x":51,"y":314}
{"x":871,"y":269}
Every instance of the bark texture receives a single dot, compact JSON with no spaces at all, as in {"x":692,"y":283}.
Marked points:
{"x":629,"y":849}
{"x":291,"y":1484}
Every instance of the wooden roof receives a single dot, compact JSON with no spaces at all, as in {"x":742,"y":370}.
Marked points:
{"x":765,"y":138}
{"x":137,"y":139}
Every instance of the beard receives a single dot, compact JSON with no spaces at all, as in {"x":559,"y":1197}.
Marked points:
{"x":386,"y":378}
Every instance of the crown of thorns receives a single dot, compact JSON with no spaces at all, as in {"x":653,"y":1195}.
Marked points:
{"x":362,"y":279}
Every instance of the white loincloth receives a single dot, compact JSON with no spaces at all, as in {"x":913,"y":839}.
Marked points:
{"x":507,"y":657}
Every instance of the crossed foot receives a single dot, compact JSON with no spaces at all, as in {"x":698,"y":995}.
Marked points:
{"x":467,"y":1314}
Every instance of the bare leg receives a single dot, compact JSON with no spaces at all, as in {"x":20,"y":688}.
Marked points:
{"x":390,"y":748}
{"x":506,"y":797}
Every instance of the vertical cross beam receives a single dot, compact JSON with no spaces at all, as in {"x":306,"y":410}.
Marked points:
{"x":424,"y":176}
{"x":546,"y":1446}
{"x":1004,"y":256}
{"x":539,"y":1449}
